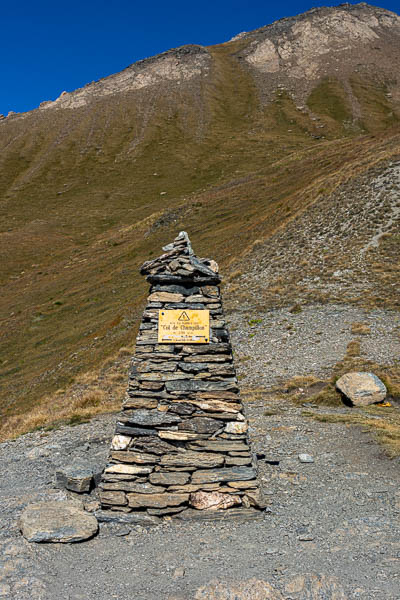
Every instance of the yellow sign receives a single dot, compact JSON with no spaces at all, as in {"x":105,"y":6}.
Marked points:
{"x":184,"y":325}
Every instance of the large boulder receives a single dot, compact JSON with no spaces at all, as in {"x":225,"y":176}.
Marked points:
{"x":362,"y":388}
{"x":57,"y":522}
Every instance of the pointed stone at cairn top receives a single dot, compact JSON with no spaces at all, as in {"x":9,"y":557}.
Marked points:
{"x":179,"y":264}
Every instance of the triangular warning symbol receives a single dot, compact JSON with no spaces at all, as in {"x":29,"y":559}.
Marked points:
{"x":184,"y":316}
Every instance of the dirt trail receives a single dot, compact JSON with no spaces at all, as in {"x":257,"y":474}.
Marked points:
{"x":337,"y":516}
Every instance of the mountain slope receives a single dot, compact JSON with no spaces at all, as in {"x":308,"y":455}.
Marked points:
{"x":234,"y":142}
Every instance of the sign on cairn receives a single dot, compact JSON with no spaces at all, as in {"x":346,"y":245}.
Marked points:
{"x":181,"y":446}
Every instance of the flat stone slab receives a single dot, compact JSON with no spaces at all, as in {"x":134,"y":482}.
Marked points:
{"x":227,"y":474}
{"x":362,"y":388}
{"x":61,"y":522}
{"x":236,"y":514}
{"x":133,"y":518}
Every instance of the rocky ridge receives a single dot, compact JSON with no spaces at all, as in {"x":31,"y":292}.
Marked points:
{"x":324,"y":42}
{"x":292,"y":54}
{"x":171,"y":67}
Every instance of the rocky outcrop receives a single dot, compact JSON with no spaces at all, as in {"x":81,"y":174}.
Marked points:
{"x":173,"y":66}
{"x":181,"y":438}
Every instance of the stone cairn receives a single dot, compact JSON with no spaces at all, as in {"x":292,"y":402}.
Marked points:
{"x":181,"y":443}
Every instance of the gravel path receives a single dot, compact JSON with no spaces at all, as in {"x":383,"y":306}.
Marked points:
{"x":337,"y":517}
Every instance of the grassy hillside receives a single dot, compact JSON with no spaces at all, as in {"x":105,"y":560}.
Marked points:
{"x":88,"y":194}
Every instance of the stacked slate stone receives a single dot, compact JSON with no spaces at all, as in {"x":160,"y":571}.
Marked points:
{"x":181,"y":438}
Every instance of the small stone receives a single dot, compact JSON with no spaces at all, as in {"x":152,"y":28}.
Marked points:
{"x":76,"y":478}
{"x":5,"y":590}
{"x":362,"y":388}
{"x":243,"y":485}
{"x":54,"y":521}
{"x":134,"y":431}
{"x":192,"y":385}
{"x":156,"y":500}
{"x":178,"y":573}
{"x":219,"y":395}
{"x":306,"y":458}
{"x":139,"y":403}
{"x":237,"y":514}
{"x":148,"y":418}
{"x":171,"y":378}
{"x":237,"y":427}
{"x":140,"y":458}
{"x":113,"y":498}
{"x":133,"y":486}
{"x":218,"y":446}
{"x":155,"y":385}
{"x":92,"y":505}
{"x":182,"y":409}
{"x":128,"y":469}
{"x":172,"y":478}
{"x":232,"y":461}
{"x":192,"y":459}
{"x":176,"y":289}
{"x":256,"y":498}
{"x":200,"y":425}
{"x":165,"y":297}
{"x":179,"y":435}
{"x":169,"y":510}
{"x":215,"y":500}
{"x":185,"y":489}
{"x":124,"y":531}
{"x":214,"y":405}
{"x":212,"y":358}
{"x":207,"y":348}
{"x":148,"y":366}
{"x":120,"y":442}
{"x":228,"y":474}
{"x":154,"y":445}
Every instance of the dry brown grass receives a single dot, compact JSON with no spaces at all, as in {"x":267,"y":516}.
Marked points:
{"x":386,"y":427}
{"x":358,"y":328}
{"x":90,"y":394}
{"x":300,"y":381}
{"x":254,"y":394}
{"x":51,"y":414}
{"x":353,"y":348}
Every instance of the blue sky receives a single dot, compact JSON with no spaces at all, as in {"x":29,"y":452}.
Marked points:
{"x":50,"y":46}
